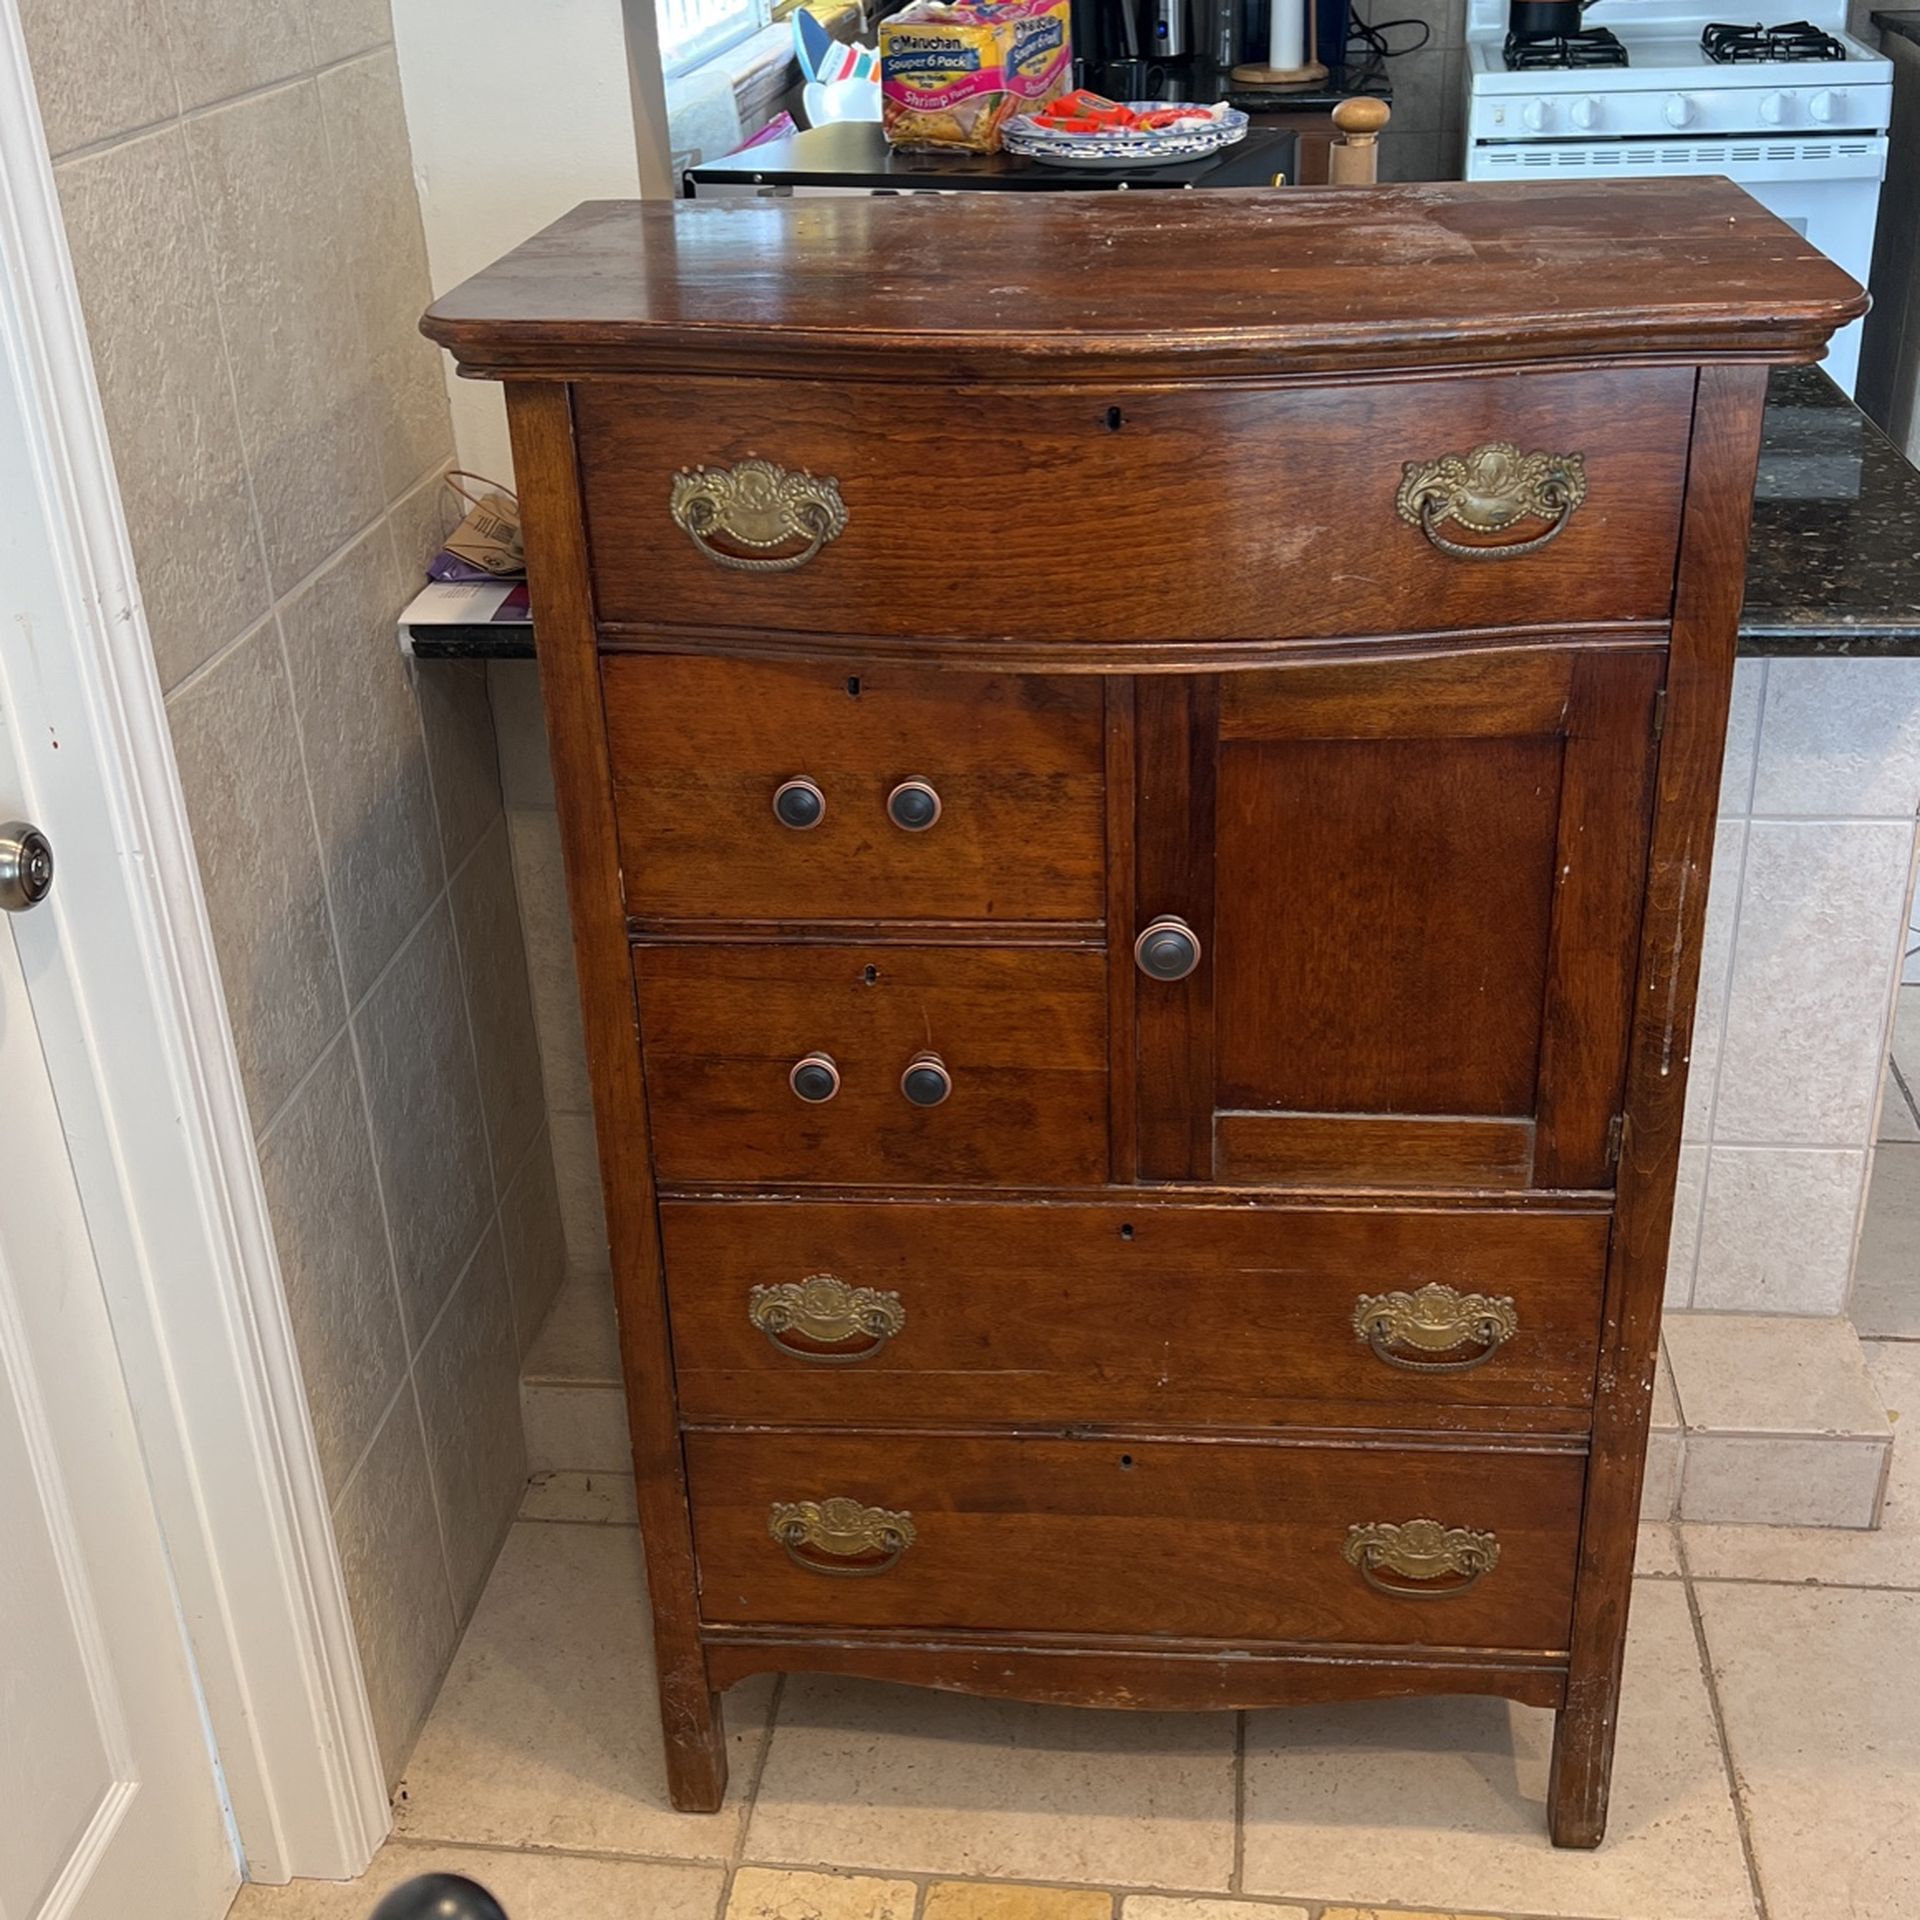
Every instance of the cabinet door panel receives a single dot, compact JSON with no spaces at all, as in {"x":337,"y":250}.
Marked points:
{"x":1416,"y":885}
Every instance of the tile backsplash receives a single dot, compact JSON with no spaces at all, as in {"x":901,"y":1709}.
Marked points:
{"x":240,"y":206}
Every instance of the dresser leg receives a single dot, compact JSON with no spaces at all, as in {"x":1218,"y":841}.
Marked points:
{"x":1582,"y":1769}
{"x":694,"y":1729}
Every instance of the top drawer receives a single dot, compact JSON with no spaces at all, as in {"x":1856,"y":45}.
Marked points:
{"x":1159,"y":514}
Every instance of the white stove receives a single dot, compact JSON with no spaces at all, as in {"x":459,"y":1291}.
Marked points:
{"x":1807,"y":137}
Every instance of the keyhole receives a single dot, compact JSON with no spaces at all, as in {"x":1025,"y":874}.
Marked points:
{"x":853,"y":686}
{"x":872,"y":976}
{"x":1115,"y":419}
{"x":1126,"y":1232}
{"x":1126,"y":1463}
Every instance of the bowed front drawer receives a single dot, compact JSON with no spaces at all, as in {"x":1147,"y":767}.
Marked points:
{"x":1430,"y":1546}
{"x":877,"y":1311}
{"x":1137,"y":515}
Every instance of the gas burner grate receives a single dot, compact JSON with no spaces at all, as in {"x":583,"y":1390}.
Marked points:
{"x":1728,"y":45}
{"x":1595,"y":47}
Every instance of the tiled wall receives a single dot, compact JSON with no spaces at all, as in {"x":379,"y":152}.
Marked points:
{"x":240,"y":204}
{"x":1429,"y":90}
{"x":527,"y":781}
{"x":1812,"y":873}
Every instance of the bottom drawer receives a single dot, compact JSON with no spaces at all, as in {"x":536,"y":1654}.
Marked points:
{"x":1208,"y":1540}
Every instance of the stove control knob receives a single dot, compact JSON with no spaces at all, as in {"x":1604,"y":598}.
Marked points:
{"x":1537,"y":114}
{"x":1585,"y":112}
{"x":1773,"y":108}
{"x":1679,"y":109}
{"x":1827,"y":103}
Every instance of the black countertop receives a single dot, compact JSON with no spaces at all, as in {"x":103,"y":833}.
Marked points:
{"x":1833,"y":565}
{"x":1904,"y":21}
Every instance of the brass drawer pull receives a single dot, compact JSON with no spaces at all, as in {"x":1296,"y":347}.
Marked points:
{"x":841,"y":1537}
{"x":1488,"y":490}
{"x":815,"y":1319}
{"x":1430,"y":1562}
{"x":756,"y":504}
{"x":1434,"y":1321}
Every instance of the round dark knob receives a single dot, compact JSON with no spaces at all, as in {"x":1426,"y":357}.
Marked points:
{"x":799,"y":804}
{"x":440,"y":1896}
{"x":926,"y":1081}
{"x":1168,"y":950}
{"x":913,"y":805}
{"x":815,"y":1078}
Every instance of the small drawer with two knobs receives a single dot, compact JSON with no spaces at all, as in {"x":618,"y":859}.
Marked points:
{"x":763,"y":791}
{"x":896,"y":1063}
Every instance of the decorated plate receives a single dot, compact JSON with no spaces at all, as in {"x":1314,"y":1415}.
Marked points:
{"x":1125,"y":146}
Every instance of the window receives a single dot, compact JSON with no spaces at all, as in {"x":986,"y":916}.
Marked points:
{"x":695,"y":30}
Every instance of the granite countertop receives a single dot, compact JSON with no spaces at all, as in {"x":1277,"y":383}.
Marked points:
{"x":1833,"y":565}
{"x":1904,"y":21}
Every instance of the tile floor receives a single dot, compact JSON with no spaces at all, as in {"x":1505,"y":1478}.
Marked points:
{"x":1769,"y":1766}
{"x":1768,"y":1769}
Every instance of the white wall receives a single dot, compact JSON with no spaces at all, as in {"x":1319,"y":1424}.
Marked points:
{"x":517,"y":113}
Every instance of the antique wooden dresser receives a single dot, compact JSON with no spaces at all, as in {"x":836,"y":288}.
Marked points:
{"x":1137,"y":778}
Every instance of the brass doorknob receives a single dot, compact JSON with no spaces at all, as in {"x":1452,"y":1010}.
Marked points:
{"x":814,"y":1078}
{"x":913,"y":806}
{"x":799,"y":804}
{"x":926,"y":1081}
{"x":1168,"y":950}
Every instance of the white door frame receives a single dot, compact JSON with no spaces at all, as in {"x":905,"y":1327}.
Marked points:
{"x":128,"y":1002}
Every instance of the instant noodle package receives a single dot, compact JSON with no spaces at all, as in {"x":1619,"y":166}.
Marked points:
{"x":953,"y":75}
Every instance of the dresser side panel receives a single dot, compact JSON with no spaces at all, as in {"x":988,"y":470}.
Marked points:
{"x":541,"y":420}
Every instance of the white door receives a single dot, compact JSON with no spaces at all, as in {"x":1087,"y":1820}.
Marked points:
{"x":109,"y":1803}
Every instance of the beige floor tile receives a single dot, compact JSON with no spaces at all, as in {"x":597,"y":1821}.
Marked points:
{"x":578,"y":1345}
{"x":774,"y":1893}
{"x":547,"y":1732}
{"x":1441,"y":1803}
{"x":1155,"y":1906}
{"x":592,"y":1499}
{"x":905,"y":1780}
{"x":1771,"y":1374}
{"x":1381,"y":1913}
{"x":1820,"y":1692}
{"x":532,"y":1886}
{"x":577,"y":1429}
{"x":1886,"y":1557}
{"x":1657,"y":1557}
{"x":1007,"y":1900}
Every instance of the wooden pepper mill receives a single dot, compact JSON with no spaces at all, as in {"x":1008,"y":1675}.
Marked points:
{"x":1354,"y":159}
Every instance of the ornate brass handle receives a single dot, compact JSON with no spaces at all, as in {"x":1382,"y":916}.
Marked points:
{"x":841,"y":1537}
{"x":1434,"y":1320}
{"x":1429,"y":1561}
{"x":1488,"y":490}
{"x":757,"y":504}
{"x":815,"y":1319}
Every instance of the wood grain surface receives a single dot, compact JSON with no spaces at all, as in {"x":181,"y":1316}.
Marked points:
{"x":1083,"y":286}
{"x":1142,"y":514}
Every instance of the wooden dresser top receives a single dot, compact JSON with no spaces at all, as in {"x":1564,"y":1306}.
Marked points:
{"x":1098,"y":286}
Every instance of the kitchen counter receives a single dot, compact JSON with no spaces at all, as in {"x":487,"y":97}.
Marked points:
{"x":1833,"y":563}
{"x":1905,"y":21}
